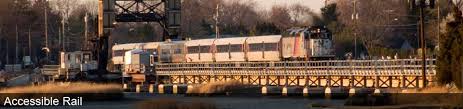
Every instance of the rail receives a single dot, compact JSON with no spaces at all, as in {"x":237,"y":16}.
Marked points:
{"x":394,"y":67}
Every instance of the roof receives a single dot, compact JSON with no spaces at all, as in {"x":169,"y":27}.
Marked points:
{"x":265,"y":39}
{"x":134,"y":51}
{"x":151,"y":45}
{"x":172,"y":43}
{"x":200,"y":42}
{"x":128,"y":46}
{"x":234,"y":40}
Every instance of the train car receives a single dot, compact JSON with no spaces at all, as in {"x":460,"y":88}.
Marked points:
{"x":152,"y":48}
{"x":313,"y":43}
{"x":137,"y":66}
{"x":293,"y":44}
{"x":263,"y":48}
{"x":119,"y":50}
{"x":230,"y":49}
{"x":200,"y":50}
{"x":118,"y":53}
{"x":320,"y":44}
{"x":172,"y":52}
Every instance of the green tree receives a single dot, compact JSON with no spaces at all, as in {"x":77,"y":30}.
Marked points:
{"x":329,"y":14}
{"x":450,"y":55}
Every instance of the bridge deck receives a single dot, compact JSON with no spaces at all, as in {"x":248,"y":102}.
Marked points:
{"x":402,"y":73}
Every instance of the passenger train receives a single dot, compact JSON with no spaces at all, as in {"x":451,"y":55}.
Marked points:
{"x":311,"y":43}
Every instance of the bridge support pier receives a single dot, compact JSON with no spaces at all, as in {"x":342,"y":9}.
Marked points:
{"x":377,"y":91}
{"x":264,"y":90}
{"x":138,"y":88}
{"x":174,"y":89}
{"x":151,"y":88}
{"x":327,"y":93}
{"x":305,"y":92}
{"x":161,"y":89}
{"x":351,"y":92}
{"x":124,"y":86}
{"x":189,"y":88}
{"x":284,"y":91}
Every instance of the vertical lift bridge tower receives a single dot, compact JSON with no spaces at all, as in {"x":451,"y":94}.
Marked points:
{"x":164,"y":12}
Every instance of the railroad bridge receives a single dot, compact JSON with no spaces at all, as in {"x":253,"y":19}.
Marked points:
{"x":395,"y":73}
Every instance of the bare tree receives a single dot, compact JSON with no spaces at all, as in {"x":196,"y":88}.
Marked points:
{"x":280,"y":16}
{"x":194,"y":12}
{"x":299,"y":13}
{"x":376,"y":21}
{"x":65,"y":8}
{"x":239,"y":16}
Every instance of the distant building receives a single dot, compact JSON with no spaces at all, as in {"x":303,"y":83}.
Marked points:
{"x":406,"y":46}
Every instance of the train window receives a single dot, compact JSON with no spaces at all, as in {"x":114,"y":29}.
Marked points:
{"x":286,"y":34}
{"x":78,"y":58}
{"x":235,"y":48}
{"x":320,"y":36}
{"x":119,"y":52}
{"x":222,"y":48}
{"x":316,"y":36}
{"x":87,"y":57}
{"x":255,"y":47}
{"x":193,"y":49}
{"x":328,"y":36}
{"x":271,"y":46}
{"x":165,"y":51}
{"x":151,"y":51}
{"x":178,"y":51}
{"x":205,"y":49}
{"x":306,"y":35}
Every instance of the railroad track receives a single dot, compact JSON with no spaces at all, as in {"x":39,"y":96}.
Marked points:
{"x":393,"y":73}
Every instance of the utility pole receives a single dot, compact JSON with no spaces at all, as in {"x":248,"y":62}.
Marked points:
{"x":85,"y":33}
{"x":59,"y":37}
{"x":46,"y":32}
{"x":7,"y":53}
{"x":16,"y":46}
{"x":438,"y":24}
{"x":422,"y":5}
{"x":423,"y":47}
{"x":216,"y":17}
{"x":66,"y":40}
{"x":30,"y":43}
{"x":62,"y":36}
{"x":355,"y":18}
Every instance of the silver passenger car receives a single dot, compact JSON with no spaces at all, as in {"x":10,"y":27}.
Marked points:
{"x":172,"y":52}
{"x":230,"y":49}
{"x":200,"y":50}
{"x":263,"y":48}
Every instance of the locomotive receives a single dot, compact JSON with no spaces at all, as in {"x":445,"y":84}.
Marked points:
{"x":296,"y":44}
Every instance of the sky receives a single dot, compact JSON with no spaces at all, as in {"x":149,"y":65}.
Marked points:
{"x":315,"y":5}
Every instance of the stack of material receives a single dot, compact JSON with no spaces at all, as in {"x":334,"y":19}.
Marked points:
{"x":2,"y":79}
{"x":18,"y":77}
{"x":13,"y":67}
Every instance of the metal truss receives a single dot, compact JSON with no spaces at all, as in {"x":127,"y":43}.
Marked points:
{"x":140,"y":11}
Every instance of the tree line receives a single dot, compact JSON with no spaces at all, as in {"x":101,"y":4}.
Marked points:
{"x":21,"y":19}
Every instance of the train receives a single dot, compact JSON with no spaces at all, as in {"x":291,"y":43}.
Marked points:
{"x":296,"y":44}
{"x":312,"y":43}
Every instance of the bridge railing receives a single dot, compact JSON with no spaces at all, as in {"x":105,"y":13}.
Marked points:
{"x":408,"y":67}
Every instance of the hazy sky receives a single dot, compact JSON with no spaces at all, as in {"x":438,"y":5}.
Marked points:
{"x":315,"y":5}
